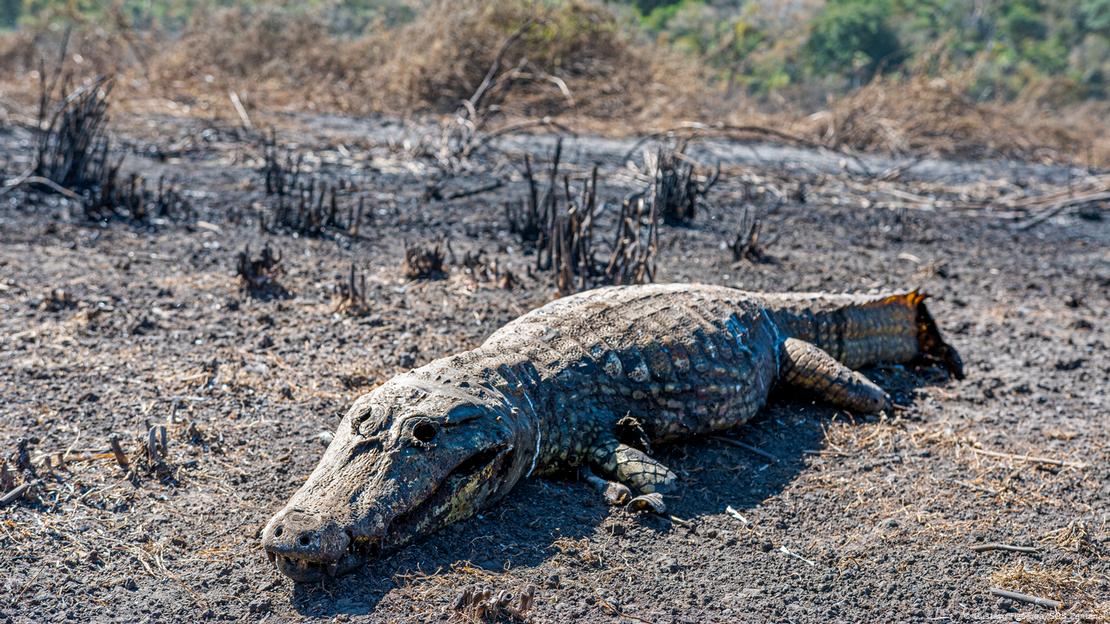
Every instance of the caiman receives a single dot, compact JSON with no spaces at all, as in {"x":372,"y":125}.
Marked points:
{"x":586,"y":382}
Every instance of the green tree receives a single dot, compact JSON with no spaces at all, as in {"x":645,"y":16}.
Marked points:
{"x":9,"y":12}
{"x":853,"y":37}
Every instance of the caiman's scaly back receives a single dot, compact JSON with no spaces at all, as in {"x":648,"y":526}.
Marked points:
{"x":586,"y":382}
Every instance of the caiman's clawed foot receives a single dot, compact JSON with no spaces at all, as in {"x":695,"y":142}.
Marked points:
{"x":805,"y":365}
{"x":648,"y":502}
{"x":631,"y":466}
{"x":614,"y":493}
{"x":635,"y":471}
{"x":619,"y":494}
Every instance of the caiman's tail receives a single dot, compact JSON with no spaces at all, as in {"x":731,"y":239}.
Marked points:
{"x":860,"y":330}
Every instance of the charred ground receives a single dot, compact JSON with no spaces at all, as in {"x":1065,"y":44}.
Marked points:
{"x":113,"y":328}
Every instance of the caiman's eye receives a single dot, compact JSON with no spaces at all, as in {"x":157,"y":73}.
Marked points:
{"x":424,"y":431}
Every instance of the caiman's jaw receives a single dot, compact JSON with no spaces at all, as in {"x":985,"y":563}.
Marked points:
{"x":308,"y":567}
{"x":309,"y":548}
{"x":456,"y":497}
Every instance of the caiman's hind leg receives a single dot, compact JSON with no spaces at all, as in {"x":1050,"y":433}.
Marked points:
{"x":633,"y":471}
{"x":805,"y":365}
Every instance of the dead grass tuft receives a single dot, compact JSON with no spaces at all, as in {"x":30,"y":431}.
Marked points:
{"x":1063,"y":584}
{"x":578,"y":550}
{"x":932,"y":115}
{"x":1075,"y":537}
{"x":571,"y":55}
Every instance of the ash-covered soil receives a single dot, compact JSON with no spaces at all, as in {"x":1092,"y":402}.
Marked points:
{"x":112,"y":329}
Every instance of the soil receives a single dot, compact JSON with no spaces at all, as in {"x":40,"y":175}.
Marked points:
{"x":118,"y":327}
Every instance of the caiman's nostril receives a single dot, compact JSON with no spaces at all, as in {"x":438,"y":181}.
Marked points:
{"x":305,"y":540}
{"x":278,"y":531}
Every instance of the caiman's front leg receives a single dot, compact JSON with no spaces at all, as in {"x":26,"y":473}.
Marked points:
{"x":631,"y":466}
{"x":633,"y":471}
{"x":805,"y":365}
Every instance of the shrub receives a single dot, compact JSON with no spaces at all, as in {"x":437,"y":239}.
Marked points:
{"x":853,"y":36}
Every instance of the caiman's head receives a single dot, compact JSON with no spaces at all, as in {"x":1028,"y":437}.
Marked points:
{"x":417,"y":453}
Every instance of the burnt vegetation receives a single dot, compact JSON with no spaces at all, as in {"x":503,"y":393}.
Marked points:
{"x":306,"y":204}
{"x":72,"y":148}
{"x":349,"y":294}
{"x":258,"y":277}
{"x":680,"y":193}
{"x":480,"y":268}
{"x":424,"y":261}
{"x":73,"y":155}
{"x":746,"y":245}
{"x":291,"y":272}
{"x":483,"y":604}
{"x":562,"y":227}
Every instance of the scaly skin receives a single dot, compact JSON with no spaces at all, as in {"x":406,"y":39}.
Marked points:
{"x":587,"y":381}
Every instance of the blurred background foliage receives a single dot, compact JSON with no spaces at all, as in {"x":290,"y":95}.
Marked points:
{"x":801,"y":51}
{"x":1008,"y":45}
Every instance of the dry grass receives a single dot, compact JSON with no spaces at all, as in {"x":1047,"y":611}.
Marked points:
{"x":1074,"y":588}
{"x":933,"y":116}
{"x":1076,"y":537}
{"x":578,"y":550}
{"x":574,"y":60}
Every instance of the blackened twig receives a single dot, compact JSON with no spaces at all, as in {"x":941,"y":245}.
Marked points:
{"x":18,"y":492}
{"x":748,"y":447}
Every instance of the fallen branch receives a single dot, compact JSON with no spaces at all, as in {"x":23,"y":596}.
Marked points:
{"x":240,"y":109}
{"x":1006,"y":547}
{"x":739,"y":516}
{"x":1020,"y":597}
{"x":748,"y":447}
{"x":475,"y":99}
{"x":26,"y":178}
{"x":485,"y":188}
{"x":18,"y":492}
{"x":786,"y":551}
{"x":1059,"y":206}
{"x":513,"y":127}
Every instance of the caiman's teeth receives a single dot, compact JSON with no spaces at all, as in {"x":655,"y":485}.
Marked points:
{"x":302,"y":564}
{"x":271,"y":556}
{"x":333,"y":568}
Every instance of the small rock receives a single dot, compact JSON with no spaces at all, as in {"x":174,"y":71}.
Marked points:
{"x":669,"y":564}
{"x":1070,"y":365}
{"x":766,"y":546}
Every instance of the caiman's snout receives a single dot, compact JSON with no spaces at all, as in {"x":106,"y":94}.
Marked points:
{"x":305,"y":546}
